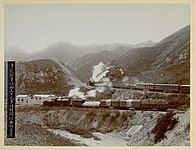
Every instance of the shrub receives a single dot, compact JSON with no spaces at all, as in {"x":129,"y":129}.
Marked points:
{"x":165,"y":123}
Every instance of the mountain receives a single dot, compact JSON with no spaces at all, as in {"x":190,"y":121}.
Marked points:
{"x":148,"y":43}
{"x":83,"y":66}
{"x":61,"y":51}
{"x":166,"y":62}
{"x":44,"y":76}
{"x":66,"y":52}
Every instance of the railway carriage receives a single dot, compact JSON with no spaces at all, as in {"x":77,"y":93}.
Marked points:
{"x":185,"y":89}
{"x":166,"y":87}
{"x":144,"y":86}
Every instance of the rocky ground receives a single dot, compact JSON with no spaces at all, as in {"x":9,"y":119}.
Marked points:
{"x":82,"y":126}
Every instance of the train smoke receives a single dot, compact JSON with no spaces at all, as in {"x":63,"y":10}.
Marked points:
{"x":75,"y":93}
{"x":99,"y":77}
{"x":99,"y":72}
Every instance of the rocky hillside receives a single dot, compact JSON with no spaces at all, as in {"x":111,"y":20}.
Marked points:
{"x":166,"y":62}
{"x":98,"y":127}
{"x":41,"y":76}
{"x":83,"y":66}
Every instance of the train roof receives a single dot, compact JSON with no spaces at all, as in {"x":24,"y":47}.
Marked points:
{"x":115,"y":100}
{"x":22,"y":96}
{"x":168,"y":84}
{"x":185,"y":85}
{"x":91,"y":103}
{"x":127,"y":100}
{"x":42,"y":95}
{"x":63,"y":99}
{"x":136,"y":100}
{"x":154,"y":101}
{"x":144,"y":83}
{"x":78,"y":100}
{"x":105,"y":100}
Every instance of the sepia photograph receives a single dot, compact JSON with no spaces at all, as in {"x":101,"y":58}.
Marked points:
{"x":90,"y":74}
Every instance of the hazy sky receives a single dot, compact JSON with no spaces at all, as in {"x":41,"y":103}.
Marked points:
{"x":33,"y":27}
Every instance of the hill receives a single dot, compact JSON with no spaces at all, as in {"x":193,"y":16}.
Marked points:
{"x":106,"y":53}
{"x":166,"y":62}
{"x":41,"y":76}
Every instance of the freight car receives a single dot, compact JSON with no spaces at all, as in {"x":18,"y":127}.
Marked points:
{"x":137,"y":104}
{"x":154,"y":104}
{"x":126,"y":104}
{"x":106,"y":103}
{"x":115,"y":103}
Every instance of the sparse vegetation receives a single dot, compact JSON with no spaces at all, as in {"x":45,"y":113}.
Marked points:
{"x":165,"y":123}
{"x":181,"y":101}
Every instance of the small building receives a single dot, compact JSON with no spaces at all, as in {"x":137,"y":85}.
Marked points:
{"x":32,"y":100}
{"x":22,"y":99}
{"x":40,"y":98}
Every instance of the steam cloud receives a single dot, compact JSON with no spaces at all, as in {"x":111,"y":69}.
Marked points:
{"x":99,"y":77}
{"x":75,"y":93}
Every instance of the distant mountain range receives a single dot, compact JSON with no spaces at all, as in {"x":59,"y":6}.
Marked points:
{"x":65,"y":51}
{"x":63,"y":65}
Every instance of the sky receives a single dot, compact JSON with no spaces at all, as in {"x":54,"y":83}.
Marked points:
{"x":33,"y":27}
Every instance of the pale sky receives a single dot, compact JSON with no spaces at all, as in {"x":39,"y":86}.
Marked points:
{"x":36,"y":26}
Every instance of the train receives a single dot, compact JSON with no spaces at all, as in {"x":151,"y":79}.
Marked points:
{"x":64,"y":102}
{"x":174,"y":88}
{"x":57,"y":102}
{"x":135,"y":104}
{"x":169,"y":88}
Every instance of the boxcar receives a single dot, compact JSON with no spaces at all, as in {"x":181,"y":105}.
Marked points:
{"x":126,"y":104}
{"x":157,"y":104}
{"x":105,"y":103}
{"x":115,"y":103}
{"x":136,"y":103}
